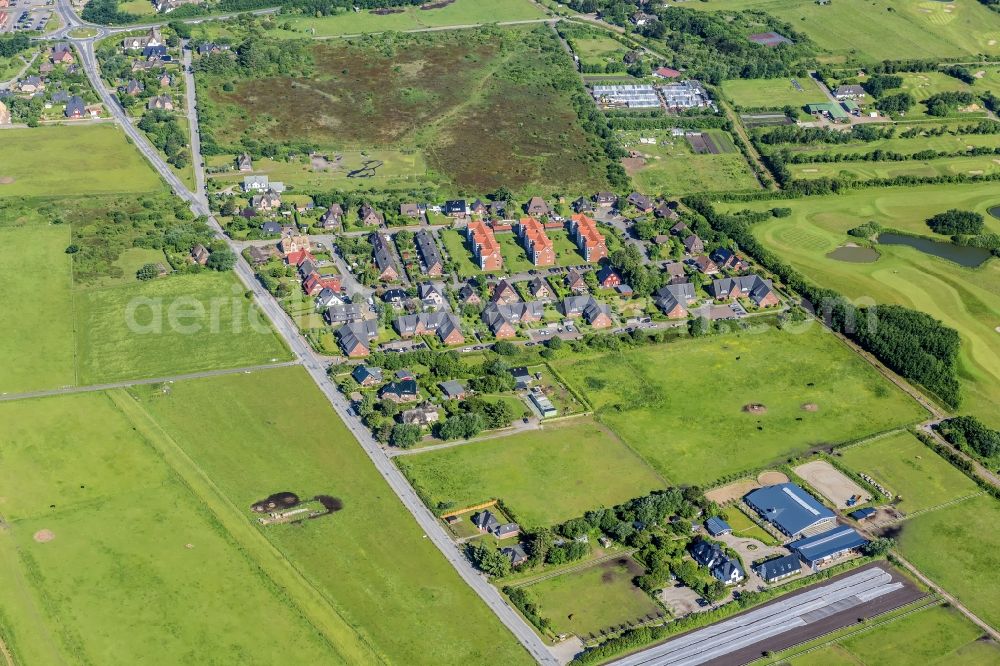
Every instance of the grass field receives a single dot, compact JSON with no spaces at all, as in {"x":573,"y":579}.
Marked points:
{"x":460,"y":12}
{"x":138,"y":565}
{"x":904,"y":29}
{"x":36,"y":335}
{"x":865,"y":170}
{"x":680,"y":405}
{"x":103,"y":162}
{"x":370,"y":562}
{"x":672,"y":167}
{"x":746,"y":528}
{"x":598,"y":597}
{"x":966,"y":299}
{"x":932,"y":636}
{"x":772,"y":93}
{"x":177,"y":325}
{"x":545,"y":476}
{"x":945,"y":143}
{"x":398,"y":170}
{"x":958,"y":547}
{"x":458,"y":252}
{"x":911,"y":470}
{"x":431,"y":95}
{"x":596,"y":49}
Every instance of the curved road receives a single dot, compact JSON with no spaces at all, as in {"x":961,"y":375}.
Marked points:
{"x":312,"y":362}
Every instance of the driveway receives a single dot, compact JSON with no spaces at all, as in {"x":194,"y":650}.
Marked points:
{"x":751,"y":550}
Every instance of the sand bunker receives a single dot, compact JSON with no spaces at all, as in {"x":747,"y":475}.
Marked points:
{"x":6,"y":180}
{"x":755,"y":408}
{"x":810,"y":407}
{"x":771,"y":478}
{"x":44,"y":536}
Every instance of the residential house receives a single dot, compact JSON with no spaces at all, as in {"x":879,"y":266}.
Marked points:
{"x":268,"y":201}
{"x":456,"y":208}
{"x":539,"y":289}
{"x":160,"y":103}
{"x":640,"y":19}
{"x":256,"y":184}
{"x":848,"y":92}
{"x":516,"y":553}
{"x":642,"y":203}
{"x":315,"y":283}
{"x":478,"y":207}
{"x":382,"y":254}
{"x":486,"y":521}
{"x":31,"y":84}
{"x":605,"y":199}
{"x":244,"y":163}
{"x":355,"y":338}
{"x":752,"y":286}
{"x":502,"y":319}
{"x":583,"y":205}
{"x":591,"y":243}
{"x":261,"y":255}
{"x":453,"y":389}
{"x":395,"y":296}
{"x":663,"y":211}
{"x":706,"y":265}
{"x":727,"y":259}
{"x":469,"y":295}
{"x":679,"y":229}
{"x":75,"y":107}
{"x":676,"y":272}
{"x":423,"y":415}
{"x":208,"y":48}
{"x":596,"y":314}
{"x":333,"y":217}
{"x":369,"y":216}
{"x":608,"y":278}
{"x":575,"y":282}
{"x":366,"y":375}
{"x":778,"y":568}
{"x":504,"y":293}
{"x":139,"y":42}
{"x":158,"y":52}
{"x":484,"y":246}
{"x":537,"y":207}
{"x":537,"y":245}
{"x":444,"y":324}
{"x":430,"y":256}
{"x":292,"y":243}
{"x":165,"y":80}
{"x":271,"y":227}
{"x":134,"y":87}
{"x":522,"y":378}
{"x":716,"y":526}
{"x":199,"y":254}
{"x":674,"y":299}
{"x":410,"y":210}
{"x":400,"y":391}
{"x":430,"y":296}
{"x":720,"y":565}
{"x":497,"y":210}
{"x":62,"y":54}
{"x":694,"y":245}
{"x":327,"y":297}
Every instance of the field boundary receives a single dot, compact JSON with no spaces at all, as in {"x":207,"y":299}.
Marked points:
{"x":579,"y":567}
{"x":293,"y":584}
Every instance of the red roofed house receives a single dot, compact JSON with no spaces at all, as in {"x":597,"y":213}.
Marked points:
{"x":484,"y":246}
{"x":588,"y":239}
{"x":609,"y":278}
{"x":537,"y":244}
{"x":666,"y":73}
{"x":296,"y":258}
{"x":316,"y":283}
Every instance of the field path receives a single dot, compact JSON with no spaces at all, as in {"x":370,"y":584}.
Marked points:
{"x":284,"y":578}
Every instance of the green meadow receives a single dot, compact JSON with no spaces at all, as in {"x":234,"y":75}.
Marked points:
{"x":110,"y":558}
{"x":681,"y":406}
{"x":36,"y":334}
{"x":921,"y":478}
{"x":979,"y":165}
{"x":867,"y":30}
{"x":393,"y":592}
{"x":545,"y":476}
{"x":182,"y":324}
{"x":772,"y":93}
{"x":949,"y":143}
{"x":967,"y":299}
{"x":87,"y":159}
{"x":958,"y":547}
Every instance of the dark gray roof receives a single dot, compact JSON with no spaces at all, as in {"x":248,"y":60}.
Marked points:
{"x":428,"y":249}
{"x":485,"y":520}
{"x":717,"y":526}
{"x":363,"y":372}
{"x":400,"y":388}
{"x":381,"y":252}
{"x":778,"y":567}
{"x":75,"y":105}
{"x":787,"y":506}
{"x":342,"y":312}
{"x":452,"y":387}
{"x":753,"y":286}
{"x":828,"y":544}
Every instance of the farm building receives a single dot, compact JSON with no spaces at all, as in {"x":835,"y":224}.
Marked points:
{"x":629,"y":96}
{"x":789,"y":508}
{"x":778,"y":568}
{"x":717,"y":526}
{"x":862,"y":514}
{"x":833,"y":111}
{"x":829,"y":545}
{"x":770,"y":39}
{"x":849,"y":92}
{"x":686,"y":95}
{"x":543,"y":404}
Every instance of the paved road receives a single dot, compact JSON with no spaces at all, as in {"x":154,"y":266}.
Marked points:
{"x":192,"y":118}
{"x":141,"y":382}
{"x":315,"y":365}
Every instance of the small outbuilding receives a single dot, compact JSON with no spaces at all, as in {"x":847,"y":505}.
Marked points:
{"x":717,"y":526}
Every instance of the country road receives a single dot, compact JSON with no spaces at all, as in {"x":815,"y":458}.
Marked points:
{"x":312,"y":362}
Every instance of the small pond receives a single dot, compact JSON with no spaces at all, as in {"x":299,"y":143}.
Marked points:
{"x":854,"y":254}
{"x":995,"y":212}
{"x":960,"y":254}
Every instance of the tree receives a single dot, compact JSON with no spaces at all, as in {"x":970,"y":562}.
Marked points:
{"x":221,"y":260}
{"x":954,"y":222}
{"x":698,"y":327}
{"x":555,"y":343}
{"x":879,"y":547}
{"x":147,"y":272}
{"x":404,"y":435}
{"x":491,"y":562}
{"x":505,"y":348}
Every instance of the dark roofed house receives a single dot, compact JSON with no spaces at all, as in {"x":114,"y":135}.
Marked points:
{"x":576,"y":283}
{"x":271,"y":227}
{"x":664,"y":212}
{"x":539,"y":289}
{"x":679,"y":229}
{"x":789,"y":508}
{"x":608,"y":277}
{"x":430,"y":256}
{"x":199,"y":254}
{"x":497,"y":209}
{"x":717,"y":526}
{"x":706,"y":265}
{"x":75,"y":108}
{"x":778,"y":568}
{"x":849,"y":92}
{"x":383,"y":257}
{"x":693,"y":244}
{"x":369,"y":216}
{"x":674,"y":299}
{"x":754,"y":287}
{"x":583,"y":205}
{"x":485,"y":521}
{"x":641,"y":202}
{"x":456,"y":207}
{"x":355,"y":338}
{"x":712,"y":557}
{"x":339,"y":313}
{"x":516,"y":554}
{"x":821,"y":548}
{"x":401,"y":391}
{"x":727,"y":259}
{"x":507,"y":530}
{"x":453,"y":389}
{"x":537,"y":207}
{"x":333,"y":217}
{"x":505,"y":294}
{"x":468,"y":295}
{"x":478,"y":207}
{"x":134,"y":87}
{"x":605,"y":198}
{"x":154,"y":51}
{"x":366,"y":375}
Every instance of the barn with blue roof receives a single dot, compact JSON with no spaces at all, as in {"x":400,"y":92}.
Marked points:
{"x":789,"y":508}
{"x":828,"y":545}
{"x":717,"y":526}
